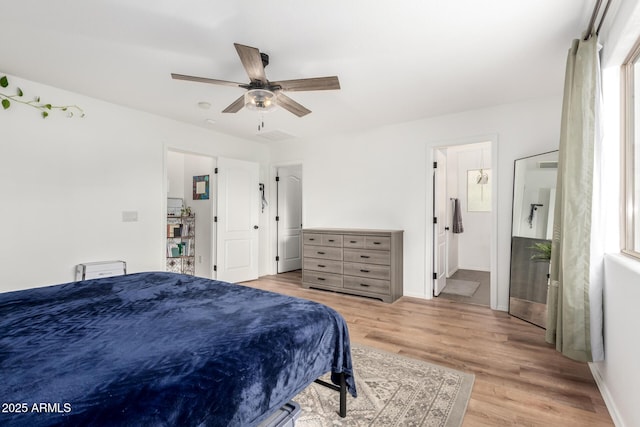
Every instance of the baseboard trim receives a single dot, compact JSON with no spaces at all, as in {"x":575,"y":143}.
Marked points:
{"x":412,"y":295}
{"x":606,"y":395}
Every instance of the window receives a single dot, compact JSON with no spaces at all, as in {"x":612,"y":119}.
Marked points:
{"x":631,"y":136}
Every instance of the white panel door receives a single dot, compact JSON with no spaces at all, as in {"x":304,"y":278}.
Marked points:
{"x":238,"y":215}
{"x":290,"y":218}
{"x":439,"y":231}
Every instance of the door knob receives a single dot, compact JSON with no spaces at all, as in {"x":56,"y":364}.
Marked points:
{"x":255,"y":227}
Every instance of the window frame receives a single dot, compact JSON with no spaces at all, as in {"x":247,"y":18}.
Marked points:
{"x":629,"y":117}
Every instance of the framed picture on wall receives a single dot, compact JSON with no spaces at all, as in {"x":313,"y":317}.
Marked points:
{"x":201,"y":187}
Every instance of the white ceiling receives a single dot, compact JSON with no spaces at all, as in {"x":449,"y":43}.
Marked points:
{"x":396,"y":60}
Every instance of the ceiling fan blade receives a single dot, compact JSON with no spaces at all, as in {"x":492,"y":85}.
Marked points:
{"x":252,"y":62}
{"x":205,"y":80}
{"x":235,"y":106}
{"x":316,"y":83}
{"x":290,"y":105}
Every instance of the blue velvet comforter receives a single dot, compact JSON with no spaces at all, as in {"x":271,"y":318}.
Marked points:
{"x":161,"y":349}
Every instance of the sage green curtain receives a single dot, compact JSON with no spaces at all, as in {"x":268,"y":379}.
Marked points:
{"x":574,"y":301}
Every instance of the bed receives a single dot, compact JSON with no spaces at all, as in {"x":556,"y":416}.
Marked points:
{"x":161,"y":349}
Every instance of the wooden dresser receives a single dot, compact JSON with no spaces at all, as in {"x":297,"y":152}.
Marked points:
{"x":353,"y":261}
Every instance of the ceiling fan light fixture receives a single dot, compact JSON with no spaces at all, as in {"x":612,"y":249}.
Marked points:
{"x":260,"y":100}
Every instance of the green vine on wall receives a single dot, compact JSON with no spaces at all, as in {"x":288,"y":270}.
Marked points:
{"x":35,"y":103}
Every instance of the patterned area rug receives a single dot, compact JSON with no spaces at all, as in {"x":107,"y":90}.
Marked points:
{"x":392,"y":391}
{"x":466,"y":288}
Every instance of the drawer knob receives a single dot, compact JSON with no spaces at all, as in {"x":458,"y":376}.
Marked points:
{"x":321,"y":265}
{"x":320,"y":253}
{"x":331,"y":240}
{"x":311,"y":238}
{"x":364,"y":284}
{"x":364,"y":256}
{"x":376,"y":243}
{"x":364,"y":271}
{"x":353,"y":241}
{"x":321,"y":278}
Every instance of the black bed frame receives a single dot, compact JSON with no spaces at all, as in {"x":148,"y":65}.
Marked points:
{"x":342,"y":388}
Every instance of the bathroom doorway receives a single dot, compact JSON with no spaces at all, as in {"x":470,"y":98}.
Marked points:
{"x":463,"y":226}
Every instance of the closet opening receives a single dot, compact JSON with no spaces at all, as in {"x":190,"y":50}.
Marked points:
{"x":287,"y":203}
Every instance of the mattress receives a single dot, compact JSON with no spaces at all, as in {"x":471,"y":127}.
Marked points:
{"x":161,"y":349}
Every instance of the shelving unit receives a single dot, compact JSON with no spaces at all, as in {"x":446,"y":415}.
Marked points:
{"x":181,"y":244}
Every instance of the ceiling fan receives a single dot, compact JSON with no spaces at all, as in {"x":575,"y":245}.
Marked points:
{"x":262,"y":94}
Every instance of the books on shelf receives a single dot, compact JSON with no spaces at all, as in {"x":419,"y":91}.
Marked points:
{"x":177,"y":230}
{"x":178,"y":249}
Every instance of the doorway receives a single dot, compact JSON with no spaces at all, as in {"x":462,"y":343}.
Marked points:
{"x":181,"y":168}
{"x":226,"y":220}
{"x":464,"y":218}
{"x":289,"y":218}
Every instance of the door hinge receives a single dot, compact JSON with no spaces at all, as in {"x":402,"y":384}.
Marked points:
{"x":435,"y":165}
{"x":277,"y":218}
{"x":435,"y":219}
{"x":215,"y":170}
{"x":435,"y":276}
{"x":277,"y":179}
{"x":277,"y":258}
{"x":215,"y":268}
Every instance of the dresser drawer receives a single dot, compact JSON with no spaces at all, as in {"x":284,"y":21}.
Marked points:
{"x":322,"y":252}
{"x":368,"y":285}
{"x":326,"y":265}
{"x":368,"y":256}
{"x":367,"y":270}
{"x":312,"y":239}
{"x":322,"y":278}
{"x":380,"y":243}
{"x":334,"y":240}
{"x":355,"y":242}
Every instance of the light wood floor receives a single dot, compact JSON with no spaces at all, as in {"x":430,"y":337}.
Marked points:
{"x":519,"y":379}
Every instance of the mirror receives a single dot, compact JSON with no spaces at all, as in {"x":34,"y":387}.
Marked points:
{"x":534,"y":195}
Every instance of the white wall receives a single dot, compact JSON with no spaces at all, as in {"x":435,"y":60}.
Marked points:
{"x":474,"y":244}
{"x":381,"y":178}
{"x":175,"y":175}
{"x":195,"y":165}
{"x":618,"y":376}
{"x":64,"y":184}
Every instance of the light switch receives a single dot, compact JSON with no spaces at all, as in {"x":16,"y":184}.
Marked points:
{"x":129,"y":216}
